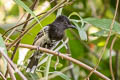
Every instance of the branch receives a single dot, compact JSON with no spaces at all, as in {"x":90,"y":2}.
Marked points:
{"x":117,"y":65}
{"x":12,"y":64}
{"x":110,"y":58}
{"x":63,"y":56}
{"x":2,"y":76}
{"x":9,"y":68}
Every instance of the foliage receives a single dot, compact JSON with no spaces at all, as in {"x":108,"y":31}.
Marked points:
{"x":92,"y":19}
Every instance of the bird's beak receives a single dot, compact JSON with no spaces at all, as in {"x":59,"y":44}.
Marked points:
{"x":72,"y":26}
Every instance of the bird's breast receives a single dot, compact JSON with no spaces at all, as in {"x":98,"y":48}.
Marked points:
{"x":41,"y":41}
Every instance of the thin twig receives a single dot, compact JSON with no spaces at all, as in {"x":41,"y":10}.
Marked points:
{"x":2,"y":76}
{"x":9,"y":68}
{"x":109,"y":35}
{"x":52,"y":1}
{"x":117,"y":65}
{"x":63,"y":56}
{"x":10,"y":35}
{"x":110,"y":58}
{"x":12,"y":64}
{"x":8,"y":39}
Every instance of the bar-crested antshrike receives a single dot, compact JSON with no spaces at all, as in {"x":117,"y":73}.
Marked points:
{"x":47,"y":38}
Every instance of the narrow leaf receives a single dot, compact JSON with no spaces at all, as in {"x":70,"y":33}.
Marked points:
{"x":65,"y":77}
{"x":3,"y":62}
{"x":81,"y":31}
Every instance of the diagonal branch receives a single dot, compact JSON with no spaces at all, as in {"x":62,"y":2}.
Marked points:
{"x":12,"y":64}
{"x":11,"y":72}
{"x":65,"y":57}
{"x":2,"y":76}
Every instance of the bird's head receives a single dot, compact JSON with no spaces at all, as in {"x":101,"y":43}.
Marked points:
{"x":63,"y":22}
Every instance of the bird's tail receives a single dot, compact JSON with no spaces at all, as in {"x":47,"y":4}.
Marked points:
{"x":33,"y":62}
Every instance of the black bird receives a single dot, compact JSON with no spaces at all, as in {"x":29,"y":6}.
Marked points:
{"x":47,"y":38}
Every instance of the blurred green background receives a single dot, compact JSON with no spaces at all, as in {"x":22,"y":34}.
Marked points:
{"x":83,"y":50}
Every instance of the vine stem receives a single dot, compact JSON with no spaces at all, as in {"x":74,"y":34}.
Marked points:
{"x":107,"y":40}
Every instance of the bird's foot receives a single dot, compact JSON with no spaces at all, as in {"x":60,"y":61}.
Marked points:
{"x":38,"y":48}
{"x":58,"y":53}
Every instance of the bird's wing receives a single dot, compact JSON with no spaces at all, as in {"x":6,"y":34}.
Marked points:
{"x":42,"y":33}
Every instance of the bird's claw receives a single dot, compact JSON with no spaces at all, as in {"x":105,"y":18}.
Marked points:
{"x":58,"y":53}
{"x":38,"y":48}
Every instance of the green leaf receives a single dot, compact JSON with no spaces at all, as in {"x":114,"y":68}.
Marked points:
{"x":76,"y":14}
{"x":81,"y":31}
{"x":16,"y":57}
{"x":82,"y":34}
{"x":53,"y":62}
{"x":47,"y":66}
{"x":75,"y":46}
{"x":104,"y":24}
{"x":2,"y":44}
{"x":101,"y":33}
{"x":65,"y":77}
{"x":14,"y":10}
{"x":3,"y":62}
{"x":33,"y":76}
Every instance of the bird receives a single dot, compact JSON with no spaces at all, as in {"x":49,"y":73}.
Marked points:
{"x":47,"y":38}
